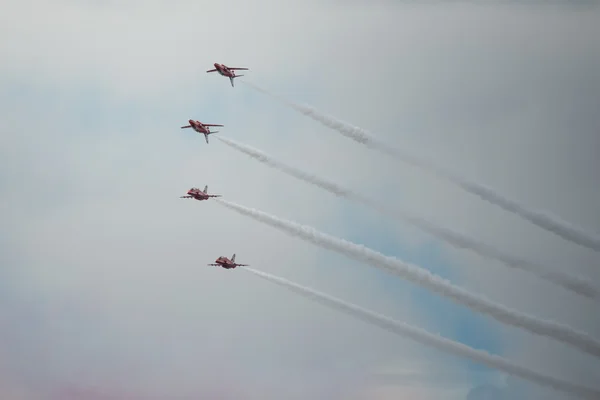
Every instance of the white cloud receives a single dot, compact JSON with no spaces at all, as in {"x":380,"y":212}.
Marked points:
{"x":109,"y":263}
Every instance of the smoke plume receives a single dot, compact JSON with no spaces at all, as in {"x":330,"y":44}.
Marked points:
{"x":426,"y":279}
{"x":435,"y":341}
{"x":540,"y":218}
{"x":456,"y":239}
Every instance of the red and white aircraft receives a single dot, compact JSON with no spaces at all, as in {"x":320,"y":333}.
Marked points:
{"x":201,"y":128}
{"x":195,"y":193}
{"x":227,"y":263}
{"x":227,"y":71}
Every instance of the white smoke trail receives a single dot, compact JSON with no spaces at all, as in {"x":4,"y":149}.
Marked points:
{"x":426,"y":279}
{"x":542,"y":219}
{"x":573,"y":283}
{"x":435,"y":341}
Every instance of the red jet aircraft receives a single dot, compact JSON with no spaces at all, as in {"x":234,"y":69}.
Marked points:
{"x":227,"y":71}
{"x":227,"y":263}
{"x":195,"y":193}
{"x":201,"y":128}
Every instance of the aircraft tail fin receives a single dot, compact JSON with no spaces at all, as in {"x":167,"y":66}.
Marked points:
{"x":206,"y":189}
{"x":231,"y":78}
{"x":233,"y":258}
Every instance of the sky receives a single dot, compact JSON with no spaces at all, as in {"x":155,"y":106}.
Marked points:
{"x":104,"y":287}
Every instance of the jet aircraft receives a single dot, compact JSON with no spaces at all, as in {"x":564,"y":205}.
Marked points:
{"x":195,"y":193}
{"x":227,"y":71}
{"x":226,"y":263}
{"x":201,"y":128}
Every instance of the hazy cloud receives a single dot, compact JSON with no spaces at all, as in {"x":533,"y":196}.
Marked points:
{"x":104,"y":285}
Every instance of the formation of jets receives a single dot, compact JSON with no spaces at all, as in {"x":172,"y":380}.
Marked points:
{"x":200,"y":127}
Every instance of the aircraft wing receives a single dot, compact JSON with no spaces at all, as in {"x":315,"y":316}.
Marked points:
{"x":242,"y":265}
{"x":238,"y":69}
{"x":212,"y":125}
{"x":216,"y":265}
{"x":187,"y":126}
{"x":185,"y":197}
{"x":212,"y":70}
{"x":214,"y":195}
